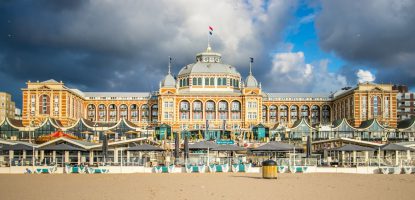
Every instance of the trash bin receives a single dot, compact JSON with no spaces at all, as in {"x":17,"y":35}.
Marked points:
{"x":269,"y":169}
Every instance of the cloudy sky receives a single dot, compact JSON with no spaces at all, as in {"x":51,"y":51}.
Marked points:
{"x":124,"y":45}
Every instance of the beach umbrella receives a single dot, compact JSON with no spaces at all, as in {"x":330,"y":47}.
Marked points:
{"x":186,"y":146}
{"x":176,"y":146}
{"x":308,"y":147}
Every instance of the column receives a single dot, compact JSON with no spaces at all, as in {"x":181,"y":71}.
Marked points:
{"x":79,"y":157}
{"x":11,"y":156}
{"x":36,"y":154}
{"x":54,"y":156}
{"x":24,"y":155}
{"x":67,"y":157}
{"x":408,"y":155}
{"x":343,"y":158}
{"x":91,"y":157}
{"x":396,"y":158}
{"x":366,"y":157}
{"x":116,"y":155}
{"x":42,"y":155}
{"x":128,"y":157}
{"x":355,"y":157}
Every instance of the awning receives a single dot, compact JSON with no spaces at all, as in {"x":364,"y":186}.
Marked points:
{"x":275,"y":146}
{"x":62,"y":147}
{"x":228,"y":147}
{"x":203,"y":145}
{"x":353,"y":147}
{"x":394,"y":147}
{"x":145,"y":147}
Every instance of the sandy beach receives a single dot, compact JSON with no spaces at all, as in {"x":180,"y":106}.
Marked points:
{"x":206,"y":186}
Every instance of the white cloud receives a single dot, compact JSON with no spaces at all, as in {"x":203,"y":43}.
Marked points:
{"x":365,"y":76}
{"x":290,"y":73}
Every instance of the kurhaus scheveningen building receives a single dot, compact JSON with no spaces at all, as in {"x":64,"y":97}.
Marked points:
{"x":209,"y":100}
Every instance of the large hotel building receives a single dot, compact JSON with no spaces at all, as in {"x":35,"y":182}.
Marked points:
{"x":209,"y":95}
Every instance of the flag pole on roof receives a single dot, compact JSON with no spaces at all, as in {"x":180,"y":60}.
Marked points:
{"x":210,"y":34}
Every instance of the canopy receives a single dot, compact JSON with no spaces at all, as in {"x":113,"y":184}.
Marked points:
{"x":57,"y":134}
{"x":228,"y":147}
{"x":394,"y":147}
{"x":145,"y":147}
{"x":203,"y":145}
{"x":17,"y":147}
{"x":62,"y":147}
{"x":353,"y":147}
{"x":275,"y":146}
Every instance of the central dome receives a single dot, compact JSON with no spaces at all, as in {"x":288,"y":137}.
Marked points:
{"x":208,"y":62}
{"x":208,"y":73}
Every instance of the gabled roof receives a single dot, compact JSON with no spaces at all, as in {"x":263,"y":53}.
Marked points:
{"x":80,"y":143}
{"x":371,"y":124}
{"x":228,"y":147}
{"x":353,"y":147}
{"x":203,"y":145}
{"x":275,"y":146}
{"x":342,"y":125}
{"x":18,"y":147}
{"x":145,"y":147}
{"x":299,"y":122}
{"x":18,"y":124}
{"x":406,"y":124}
{"x":394,"y":147}
{"x":61,"y":147}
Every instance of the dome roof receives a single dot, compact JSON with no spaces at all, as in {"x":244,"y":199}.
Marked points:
{"x":251,"y":81}
{"x":168,"y":81}
{"x":208,"y":62}
{"x":208,"y":67}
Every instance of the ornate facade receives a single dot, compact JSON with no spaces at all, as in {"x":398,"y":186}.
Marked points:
{"x":209,"y":94}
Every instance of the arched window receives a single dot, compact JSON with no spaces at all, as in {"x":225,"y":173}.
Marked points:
{"x":112,"y":109}
{"x":134,"y":112}
{"x":197,"y":110}
{"x":144,"y":113}
{"x":223,"y":109}
{"x":315,"y":114}
{"x":184,"y":110}
{"x":212,"y":81}
{"x":210,"y":110}
{"x":326,"y":114}
{"x":273,"y":113}
{"x":236,"y":110}
{"x":91,"y":112}
{"x":283,"y":113}
{"x":194,"y":81}
{"x":294,"y":113}
{"x":123,"y":111}
{"x":199,"y":81}
{"x":102,"y":113}
{"x":44,"y":105}
{"x":219,"y":81}
{"x":154,"y":113}
{"x":304,"y":111}
{"x":264,"y":113}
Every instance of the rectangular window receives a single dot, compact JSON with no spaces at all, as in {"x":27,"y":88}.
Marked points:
{"x":386,"y":107}
{"x":207,"y":81}
{"x":364,"y":107}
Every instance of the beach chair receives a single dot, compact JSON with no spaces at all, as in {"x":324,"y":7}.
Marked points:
{"x":28,"y":171}
{"x":158,"y":169}
{"x":247,"y":167}
{"x":384,"y":170}
{"x":68,"y":169}
{"x":201,"y":168}
{"x":293,"y":169}
{"x":189,"y":168}
{"x":212,"y":168}
{"x":282,"y":169}
{"x":407,"y":169}
{"x":171,"y":168}
{"x":396,"y":170}
{"x":235,"y":168}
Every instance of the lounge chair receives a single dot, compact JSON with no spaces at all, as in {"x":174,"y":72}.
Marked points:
{"x":171,"y":168}
{"x":282,"y":169}
{"x":235,"y":168}
{"x":158,"y":169}
{"x":97,"y":170}
{"x":384,"y":170}
{"x":407,"y":169}
{"x":212,"y":168}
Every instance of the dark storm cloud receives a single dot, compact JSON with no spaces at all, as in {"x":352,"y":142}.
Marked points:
{"x":124,"y":45}
{"x":378,"y":34}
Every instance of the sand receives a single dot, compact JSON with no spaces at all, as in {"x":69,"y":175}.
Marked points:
{"x":206,"y":186}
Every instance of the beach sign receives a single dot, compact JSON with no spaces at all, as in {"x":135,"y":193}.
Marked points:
{"x":225,"y":142}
